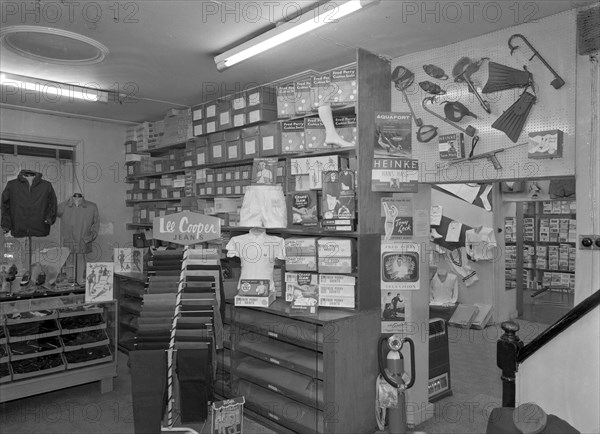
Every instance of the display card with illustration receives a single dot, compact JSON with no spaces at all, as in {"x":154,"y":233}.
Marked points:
{"x":264,"y":171}
{"x":304,"y":294}
{"x":338,"y":201}
{"x":99,"y":282}
{"x":394,"y":306}
{"x":304,"y":208}
{"x":129,"y":260}
{"x":396,"y":217}
{"x":400,"y":262}
{"x":393,"y":168}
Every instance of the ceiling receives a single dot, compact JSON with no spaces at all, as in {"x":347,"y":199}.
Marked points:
{"x":161,"y":53}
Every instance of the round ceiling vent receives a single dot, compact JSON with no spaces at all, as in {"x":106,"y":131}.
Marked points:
{"x":52,"y":45}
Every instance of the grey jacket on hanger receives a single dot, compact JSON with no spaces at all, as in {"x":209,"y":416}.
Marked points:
{"x":79,"y":224}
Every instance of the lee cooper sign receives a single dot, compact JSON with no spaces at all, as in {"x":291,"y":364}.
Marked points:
{"x":186,"y":228}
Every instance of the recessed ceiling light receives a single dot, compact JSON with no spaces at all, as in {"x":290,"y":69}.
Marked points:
{"x":52,"y":45}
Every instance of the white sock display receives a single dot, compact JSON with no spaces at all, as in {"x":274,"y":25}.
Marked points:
{"x":435,"y":234}
{"x":331,"y":135}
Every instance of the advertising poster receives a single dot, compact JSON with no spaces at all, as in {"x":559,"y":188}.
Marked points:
{"x":400,"y":266}
{"x":394,"y":306}
{"x":98,"y":282}
{"x":228,"y":416}
{"x":393,"y":135}
{"x":396,"y":218}
{"x":393,"y":169}
{"x":129,"y":260}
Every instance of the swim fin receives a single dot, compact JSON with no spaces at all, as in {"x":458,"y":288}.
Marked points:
{"x":512,"y":121}
{"x":501,"y":77}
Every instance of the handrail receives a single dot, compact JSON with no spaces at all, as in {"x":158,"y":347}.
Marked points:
{"x":559,"y":326}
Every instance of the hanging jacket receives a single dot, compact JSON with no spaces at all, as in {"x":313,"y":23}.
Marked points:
{"x":79,"y":224}
{"x":28,"y":210}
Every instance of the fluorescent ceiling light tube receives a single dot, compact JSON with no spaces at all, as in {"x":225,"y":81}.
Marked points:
{"x":54,"y":90}
{"x":329,"y":12}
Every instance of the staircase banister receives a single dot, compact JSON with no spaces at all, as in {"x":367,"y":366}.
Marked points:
{"x":559,"y":326}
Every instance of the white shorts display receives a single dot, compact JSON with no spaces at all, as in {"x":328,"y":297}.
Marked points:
{"x":264,"y":206}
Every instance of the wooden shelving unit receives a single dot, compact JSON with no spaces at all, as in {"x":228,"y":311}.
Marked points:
{"x":327,"y":355}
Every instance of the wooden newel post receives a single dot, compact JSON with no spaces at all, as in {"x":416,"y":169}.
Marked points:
{"x":507,"y":349}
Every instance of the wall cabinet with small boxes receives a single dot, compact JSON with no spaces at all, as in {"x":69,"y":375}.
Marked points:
{"x":540,"y":258}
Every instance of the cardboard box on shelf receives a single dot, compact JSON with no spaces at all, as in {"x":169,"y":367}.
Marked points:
{"x":217,"y":152}
{"x":298,"y":281}
{"x":292,"y":136}
{"x":335,"y":265}
{"x":286,"y":100}
{"x":239,"y":118}
{"x":314,"y":134}
{"x":304,"y":99}
{"x":301,"y":263}
{"x":270,"y":139}
{"x":224,"y":115}
{"x":233,"y":150}
{"x":264,"y":97}
{"x":321,"y":89}
{"x":337,"y":290}
{"x":344,"y":86}
{"x":337,"y":301}
{"x":337,"y":279}
{"x":244,"y":301}
{"x":333,"y":247}
{"x":198,"y":112}
{"x":239,"y":102}
{"x":210,"y":125}
{"x":304,"y":208}
{"x":301,"y":246}
{"x":346,"y":127}
{"x":260,"y":114}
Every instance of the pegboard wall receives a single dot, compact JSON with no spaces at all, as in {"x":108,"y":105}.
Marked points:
{"x":554,"y":38}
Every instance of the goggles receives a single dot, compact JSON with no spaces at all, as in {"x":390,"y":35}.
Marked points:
{"x":435,"y":72}
{"x":455,"y":111}
{"x":431,"y":88}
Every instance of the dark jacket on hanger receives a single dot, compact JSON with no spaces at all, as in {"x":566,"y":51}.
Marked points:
{"x":28,"y":210}
{"x":79,"y":224}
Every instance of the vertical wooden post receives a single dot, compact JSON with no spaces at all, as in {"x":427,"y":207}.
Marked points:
{"x":507,"y":349}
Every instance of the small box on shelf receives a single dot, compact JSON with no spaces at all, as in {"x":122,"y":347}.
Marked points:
{"x":260,"y":114}
{"x":250,"y":301}
{"x":217,"y":152}
{"x":233,"y":150}
{"x":210,"y":125}
{"x":262,"y":97}
{"x":270,"y":139}
{"x":286,"y":100}
{"x":344,"y":86}
{"x":303,"y":102}
{"x":321,"y":88}
{"x":292,"y":137}
{"x":198,"y":112}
